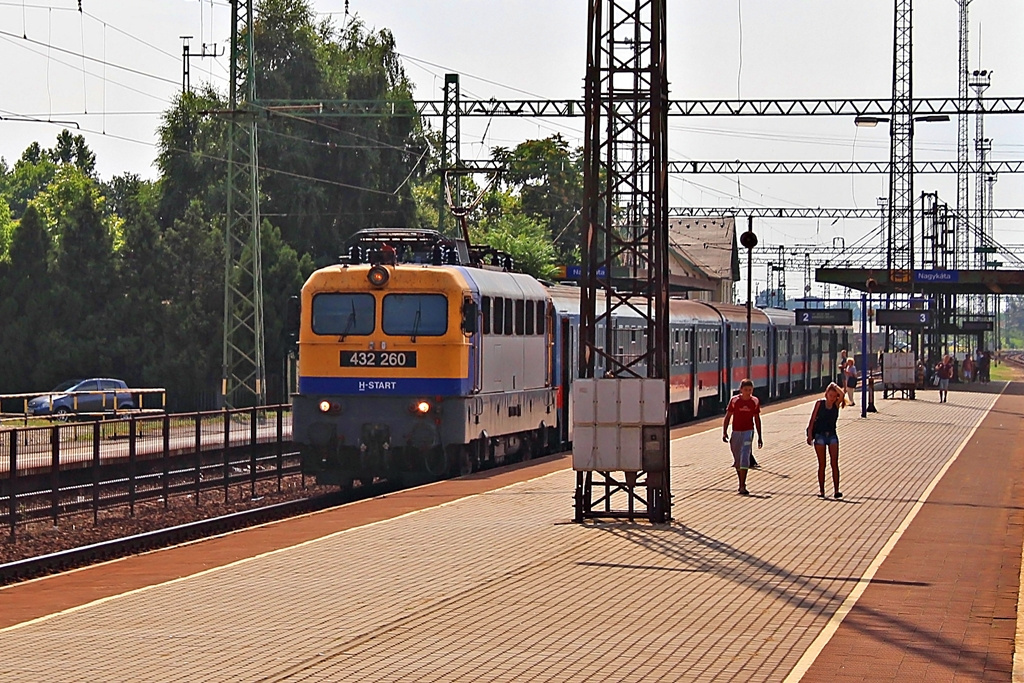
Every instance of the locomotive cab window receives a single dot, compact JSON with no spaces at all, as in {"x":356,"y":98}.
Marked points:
{"x":520,"y":317}
{"x":485,"y":309}
{"x":415,"y":315}
{"x":530,"y":319}
{"x":344,"y":314}
{"x":541,"y":317}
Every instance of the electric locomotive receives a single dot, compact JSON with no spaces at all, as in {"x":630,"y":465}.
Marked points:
{"x":411,"y":367}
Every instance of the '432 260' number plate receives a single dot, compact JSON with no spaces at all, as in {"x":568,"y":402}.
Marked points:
{"x":378,"y":359}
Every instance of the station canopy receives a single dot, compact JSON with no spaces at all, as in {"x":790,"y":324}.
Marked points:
{"x":884,"y":281}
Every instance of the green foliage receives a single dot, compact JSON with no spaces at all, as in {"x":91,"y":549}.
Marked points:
{"x":192,"y":157}
{"x":71,"y":150}
{"x":332,"y":176}
{"x":6,"y":231}
{"x":522,"y":237}
{"x":1012,"y":322}
{"x":548,"y":176}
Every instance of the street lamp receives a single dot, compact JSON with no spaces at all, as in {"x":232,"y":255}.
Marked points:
{"x":900,"y":195}
{"x":872,"y":121}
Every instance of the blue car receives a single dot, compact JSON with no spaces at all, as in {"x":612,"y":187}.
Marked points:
{"x":83,"y":396}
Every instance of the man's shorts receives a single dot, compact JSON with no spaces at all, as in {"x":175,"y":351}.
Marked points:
{"x":741,"y":444}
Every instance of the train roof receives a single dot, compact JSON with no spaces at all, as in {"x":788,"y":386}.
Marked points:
{"x":780,"y":316}
{"x":737,"y":314}
{"x":498,"y":283}
{"x":567,"y":300}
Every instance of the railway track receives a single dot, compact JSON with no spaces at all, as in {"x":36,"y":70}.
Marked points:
{"x":1015,"y":356}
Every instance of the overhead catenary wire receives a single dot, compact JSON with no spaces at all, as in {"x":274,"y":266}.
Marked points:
{"x":127,"y":69}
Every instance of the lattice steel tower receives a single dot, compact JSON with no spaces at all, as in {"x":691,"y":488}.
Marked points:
{"x":624,"y":238}
{"x":963,"y":257}
{"x":900,"y":248}
{"x":243,"y":378}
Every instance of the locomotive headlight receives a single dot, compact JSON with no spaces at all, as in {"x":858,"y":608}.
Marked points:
{"x":421,"y":407}
{"x":329,"y":407}
{"x":378,"y":276}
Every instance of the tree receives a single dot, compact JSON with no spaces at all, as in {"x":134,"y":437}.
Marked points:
{"x":143,"y":276}
{"x":284,"y":271}
{"x":509,"y":230}
{"x":31,"y":173}
{"x":6,"y":231}
{"x":190,"y":346}
{"x":325,"y":178}
{"x":548,"y":176}
{"x":192,"y":157}
{"x":83,"y":277}
{"x":26,"y":306}
{"x":71,"y":149}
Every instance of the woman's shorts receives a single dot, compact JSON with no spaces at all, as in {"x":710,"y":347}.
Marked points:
{"x":943,"y":384}
{"x":741,"y":444}
{"x":851,"y":383}
{"x":826,"y":439}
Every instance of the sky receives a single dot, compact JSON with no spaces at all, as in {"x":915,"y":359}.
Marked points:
{"x":110,"y":70}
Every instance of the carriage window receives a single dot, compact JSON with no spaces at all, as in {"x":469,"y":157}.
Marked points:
{"x":416,"y":315}
{"x":530,"y":317}
{"x":508,"y":316}
{"x":541,"y":317}
{"x":344,"y":314}
{"x":485,"y":308}
{"x":499,"y":314}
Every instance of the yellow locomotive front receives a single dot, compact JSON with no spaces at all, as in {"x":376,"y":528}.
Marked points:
{"x":385,"y":352}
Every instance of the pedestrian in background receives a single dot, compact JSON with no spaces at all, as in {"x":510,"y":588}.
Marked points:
{"x":841,"y":370}
{"x":944,"y":371}
{"x":821,"y":433}
{"x":745,"y":413}
{"x":851,"y":380}
{"x":968,"y":369}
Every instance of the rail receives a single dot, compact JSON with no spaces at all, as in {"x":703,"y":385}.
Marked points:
{"x":63,"y":469}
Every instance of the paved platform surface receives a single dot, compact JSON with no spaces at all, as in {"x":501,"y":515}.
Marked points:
{"x":921,"y":558}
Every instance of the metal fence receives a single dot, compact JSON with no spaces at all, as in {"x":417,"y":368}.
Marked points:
{"x":63,"y":469}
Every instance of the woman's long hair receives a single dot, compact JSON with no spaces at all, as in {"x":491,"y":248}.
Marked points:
{"x":840,"y":392}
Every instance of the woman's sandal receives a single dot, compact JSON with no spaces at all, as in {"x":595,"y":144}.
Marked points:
{"x":838,"y":495}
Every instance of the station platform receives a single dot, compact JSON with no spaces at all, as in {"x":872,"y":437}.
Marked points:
{"x":913,"y":575}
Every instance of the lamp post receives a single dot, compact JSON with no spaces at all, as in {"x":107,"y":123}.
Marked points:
{"x":870,"y":285}
{"x":749,"y":240}
{"x":904,"y":207}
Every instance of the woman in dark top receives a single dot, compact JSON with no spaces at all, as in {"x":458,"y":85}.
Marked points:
{"x":821,"y":432}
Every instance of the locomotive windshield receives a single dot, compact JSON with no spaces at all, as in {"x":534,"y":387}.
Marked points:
{"x":343,"y":314}
{"x":415,"y":315}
